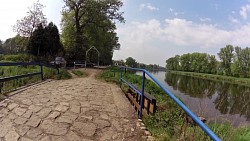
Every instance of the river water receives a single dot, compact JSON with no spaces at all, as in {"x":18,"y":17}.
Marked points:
{"x":217,"y":101}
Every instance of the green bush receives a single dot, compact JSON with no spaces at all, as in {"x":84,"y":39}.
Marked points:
{"x":19,"y":58}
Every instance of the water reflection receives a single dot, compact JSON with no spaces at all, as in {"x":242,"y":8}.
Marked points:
{"x":232,"y":101}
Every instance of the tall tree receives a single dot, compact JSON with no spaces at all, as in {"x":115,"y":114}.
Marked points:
{"x":226,"y":56}
{"x":29,"y":23}
{"x":93,"y":25}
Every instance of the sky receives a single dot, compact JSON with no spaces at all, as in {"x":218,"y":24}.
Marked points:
{"x":158,"y":29}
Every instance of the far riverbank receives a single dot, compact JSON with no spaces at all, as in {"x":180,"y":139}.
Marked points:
{"x":228,"y":79}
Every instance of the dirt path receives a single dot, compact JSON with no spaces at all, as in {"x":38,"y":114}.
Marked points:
{"x":79,"y":109}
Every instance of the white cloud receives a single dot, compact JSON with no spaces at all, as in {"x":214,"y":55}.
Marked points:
{"x":233,"y":20}
{"x":244,"y":11}
{"x":148,"y":6}
{"x":205,"y":19}
{"x":154,"y":41}
{"x":171,"y":10}
{"x":175,"y":12}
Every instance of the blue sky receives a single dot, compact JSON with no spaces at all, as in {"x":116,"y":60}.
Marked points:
{"x":158,"y":29}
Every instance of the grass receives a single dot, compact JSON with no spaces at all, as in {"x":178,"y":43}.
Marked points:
{"x":79,"y":73}
{"x":169,"y":122}
{"x":228,"y":79}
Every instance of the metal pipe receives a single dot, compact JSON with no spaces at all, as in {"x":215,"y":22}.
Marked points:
{"x":142,"y":95}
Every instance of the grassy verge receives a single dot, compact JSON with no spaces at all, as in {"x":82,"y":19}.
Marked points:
{"x":169,"y":122}
{"x":228,"y":79}
{"x":79,"y":73}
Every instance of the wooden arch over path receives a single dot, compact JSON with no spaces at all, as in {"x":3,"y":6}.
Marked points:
{"x":87,"y":55}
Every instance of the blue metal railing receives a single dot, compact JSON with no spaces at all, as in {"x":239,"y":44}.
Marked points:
{"x":26,"y":64}
{"x":203,"y":126}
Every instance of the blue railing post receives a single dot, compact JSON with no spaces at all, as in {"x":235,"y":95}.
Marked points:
{"x":121,"y":78}
{"x":142,"y":95}
{"x":41,"y":69}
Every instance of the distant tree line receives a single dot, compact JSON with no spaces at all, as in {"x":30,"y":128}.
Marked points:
{"x":234,"y":61}
{"x":131,"y":62}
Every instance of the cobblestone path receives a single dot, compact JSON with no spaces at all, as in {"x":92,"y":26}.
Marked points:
{"x":79,"y":109}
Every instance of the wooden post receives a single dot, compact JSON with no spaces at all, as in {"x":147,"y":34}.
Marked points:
{"x":41,"y":69}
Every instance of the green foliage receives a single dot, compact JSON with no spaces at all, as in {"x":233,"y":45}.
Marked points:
{"x":14,"y":45}
{"x":45,"y":41}
{"x":18,"y":58}
{"x":193,"y":62}
{"x":226,"y":55}
{"x":130,"y":62}
{"x":79,"y":73}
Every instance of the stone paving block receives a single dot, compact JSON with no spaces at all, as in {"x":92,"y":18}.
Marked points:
{"x":56,"y":138}
{"x":44,"y":100}
{"x":85,"y":104}
{"x":27,"y":114}
{"x":20,"y":120}
{"x":85,"y":118}
{"x":11,"y":136}
{"x":53,"y":128}
{"x":34,"y":121}
{"x":3,"y":131}
{"x":67,"y":117}
{"x":27,"y":101}
{"x":72,"y":136}
{"x":61,"y":108}
{"x":54,"y":115}
{"x":33,"y":133}
{"x":25,"y":139}
{"x":23,"y":129}
{"x":4,"y":111}
{"x":75,"y":109}
{"x":64,"y":104}
{"x":2,"y":115}
{"x":11,"y":116}
{"x":19,"y":111}
{"x":87,"y":129}
{"x":44,"y":112}
{"x":12,"y":106}
{"x":46,"y":138}
{"x":102,"y":123}
{"x":35,"y":108}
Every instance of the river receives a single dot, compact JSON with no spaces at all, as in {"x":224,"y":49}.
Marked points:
{"x":215,"y":100}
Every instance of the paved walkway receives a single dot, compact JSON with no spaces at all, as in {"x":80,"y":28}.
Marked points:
{"x":79,"y":109}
